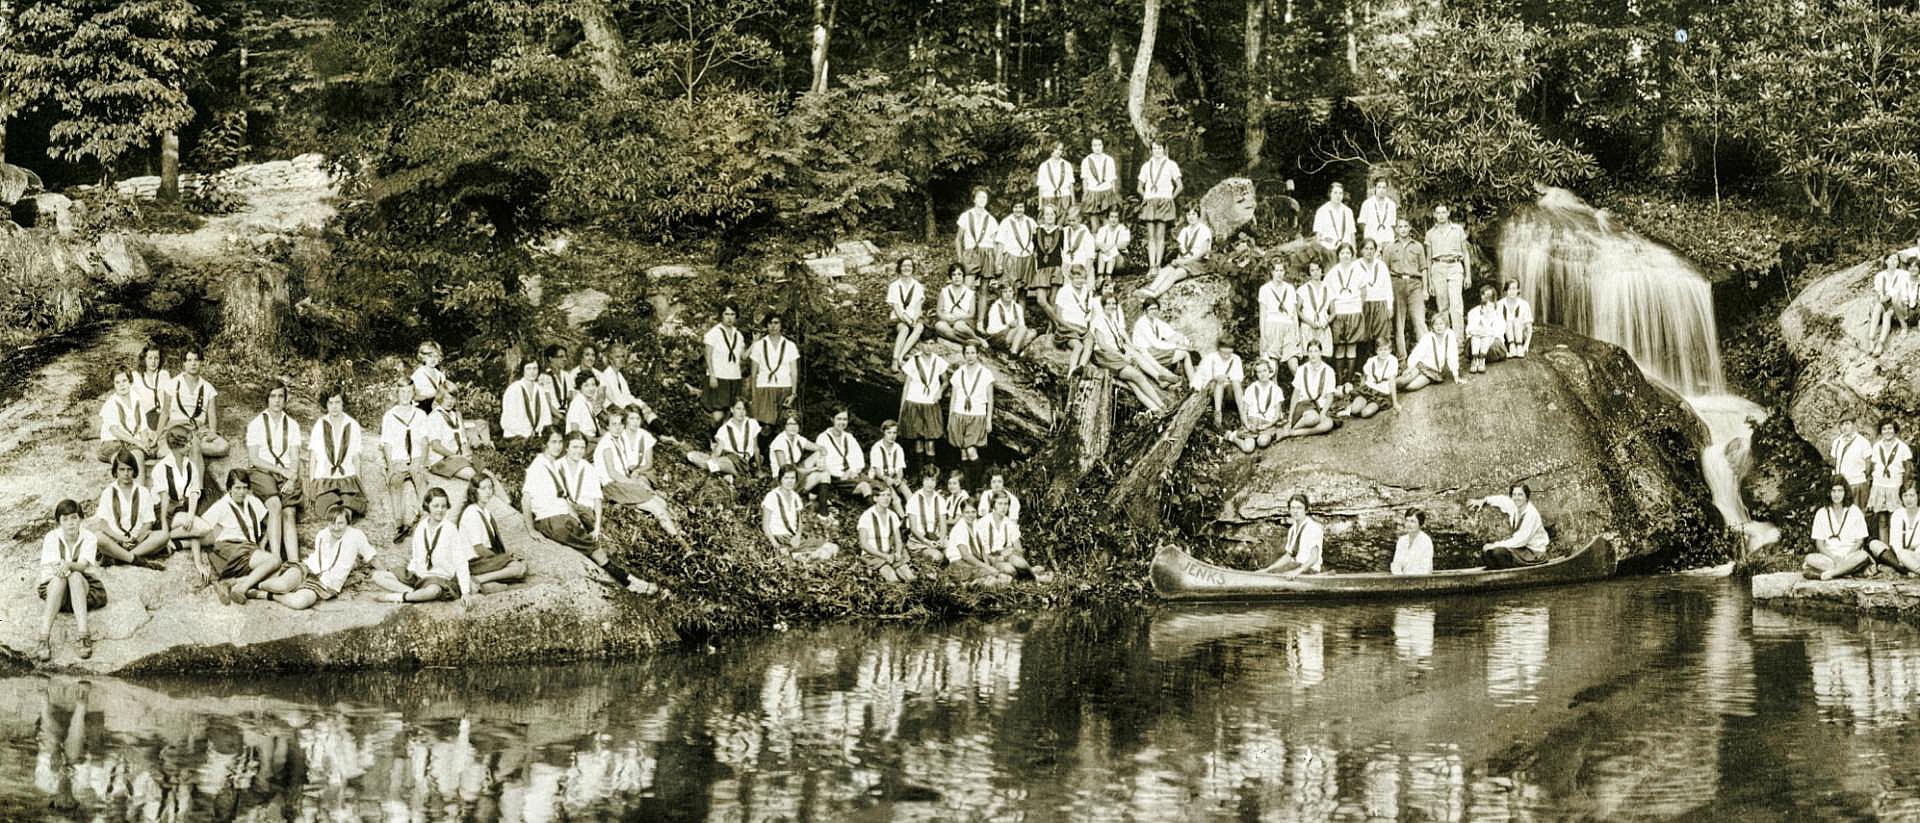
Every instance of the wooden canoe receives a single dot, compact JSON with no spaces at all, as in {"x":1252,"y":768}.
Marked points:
{"x":1177,"y":576}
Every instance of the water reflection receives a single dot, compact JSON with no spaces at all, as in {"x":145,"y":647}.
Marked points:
{"x":1644,"y":699}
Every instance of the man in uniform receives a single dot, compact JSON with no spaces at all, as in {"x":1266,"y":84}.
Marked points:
{"x":1448,"y":266}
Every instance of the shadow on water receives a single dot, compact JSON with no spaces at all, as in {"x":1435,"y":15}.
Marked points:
{"x":1646,"y":698}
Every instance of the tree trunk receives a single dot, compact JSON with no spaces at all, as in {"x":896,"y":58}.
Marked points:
{"x":1254,"y":138}
{"x":1000,"y":43}
{"x":1116,"y":63}
{"x":1142,"y":67}
{"x":169,"y":166}
{"x":1137,"y":491}
{"x":822,"y":35}
{"x":932,"y":225}
{"x":1020,"y":52}
{"x":3,"y":139}
{"x":609,"y":57}
{"x":1353,"y":39}
{"x":1089,"y":416}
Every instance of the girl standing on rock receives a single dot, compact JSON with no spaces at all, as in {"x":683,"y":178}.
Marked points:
{"x":273,"y":441}
{"x":970,"y":412}
{"x":1049,"y":244}
{"x":1280,"y":319}
{"x":1346,"y":284}
{"x":920,"y":421}
{"x":68,"y":578}
{"x":726,"y":352}
{"x":1891,"y":457}
{"x":1158,"y":184}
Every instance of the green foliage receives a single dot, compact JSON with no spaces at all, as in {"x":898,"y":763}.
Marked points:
{"x":117,"y":70}
{"x":1448,"y":103}
{"x":1736,"y":239}
{"x":852,"y":150}
{"x":1827,"y":92}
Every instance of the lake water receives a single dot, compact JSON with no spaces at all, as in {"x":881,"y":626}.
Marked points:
{"x":1641,"y":699}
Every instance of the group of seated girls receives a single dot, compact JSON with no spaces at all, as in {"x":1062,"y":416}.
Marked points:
{"x":1844,"y":544}
{"x":454,"y":553}
{"x":977,"y":540}
{"x":1292,"y":333}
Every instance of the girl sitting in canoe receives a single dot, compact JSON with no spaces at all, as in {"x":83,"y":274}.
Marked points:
{"x":1413,"y":551}
{"x":1528,"y":543}
{"x":1306,"y":541}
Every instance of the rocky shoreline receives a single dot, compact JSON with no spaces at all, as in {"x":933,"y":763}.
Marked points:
{"x":1884,"y":597}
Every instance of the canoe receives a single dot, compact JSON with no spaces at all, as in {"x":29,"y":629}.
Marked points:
{"x":1178,"y":576}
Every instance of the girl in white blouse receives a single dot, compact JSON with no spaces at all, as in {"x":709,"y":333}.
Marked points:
{"x":1306,"y":542}
{"x":1839,"y":531}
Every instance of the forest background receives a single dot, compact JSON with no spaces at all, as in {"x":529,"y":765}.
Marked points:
{"x":493,"y":151}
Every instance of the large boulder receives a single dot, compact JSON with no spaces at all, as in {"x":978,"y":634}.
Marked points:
{"x":1604,"y":450}
{"x":16,"y":183}
{"x":158,"y":621}
{"x":1228,"y":207}
{"x":1826,"y":329}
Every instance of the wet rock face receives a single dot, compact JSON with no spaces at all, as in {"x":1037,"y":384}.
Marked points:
{"x":1603,"y":450}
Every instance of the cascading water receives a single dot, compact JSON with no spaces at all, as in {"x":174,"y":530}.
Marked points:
{"x":1581,"y":271}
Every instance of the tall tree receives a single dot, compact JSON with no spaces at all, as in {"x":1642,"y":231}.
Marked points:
{"x":823,"y":14}
{"x":1254,"y":135}
{"x":117,"y":70}
{"x":1142,"y":70}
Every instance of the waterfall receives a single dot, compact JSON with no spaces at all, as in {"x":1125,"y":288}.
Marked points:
{"x":1583,"y":272}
